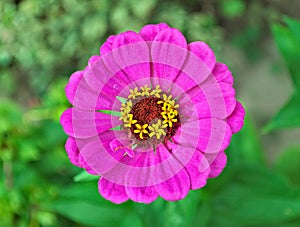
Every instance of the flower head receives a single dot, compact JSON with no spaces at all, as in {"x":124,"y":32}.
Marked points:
{"x":152,"y":115}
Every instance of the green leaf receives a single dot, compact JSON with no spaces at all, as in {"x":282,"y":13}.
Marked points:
{"x":287,"y":40}
{"x":86,"y":191}
{"x":111,"y":112}
{"x":132,"y":220}
{"x":288,"y":163}
{"x":183,"y":212}
{"x":288,"y":116}
{"x":245,"y":146}
{"x":84,"y":176}
{"x":232,"y":8}
{"x":82,"y":203}
{"x":121,"y":99}
{"x":294,"y":26}
{"x":88,"y":213}
{"x":116,"y":128}
{"x":153,"y":214}
{"x":255,"y":196}
{"x":10,"y":115}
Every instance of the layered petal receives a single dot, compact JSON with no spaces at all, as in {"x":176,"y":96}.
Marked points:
{"x":236,"y":119}
{"x":198,"y":66}
{"x":175,"y":188}
{"x":131,"y":53}
{"x":123,"y":148}
{"x":150,"y":31}
{"x":97,"y":154}
{"x":72,"y":151}
{"x":204,"y":53}
{"x":198,"y":178}
{"x":75,"y":156}
{"x":207,"y":135}
{"x":218,"y":164}
{"x":113,"y":192}
{"x":81,"y":95}
{"x":216,"y":100}
{"x":142,"y":194}
{"x":106,"y":77}
{"x":107,"y":45}
{"x":93,"y":59}
{"x":83,"y":164}
{"x":146,"y":168}
{"x":84,"y":124}
{"x":221,"y":73}
{"x":168,"y":54}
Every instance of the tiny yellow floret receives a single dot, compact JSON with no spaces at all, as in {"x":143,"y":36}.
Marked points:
{"x":130,"y":121}
{"x":134,"y":93}
{"x":169,"y":119}
{"x":157,"y":129}
{"x":145,"y":90}
{"x":156,"y":92}
{"x":141,"y":129}
{"x":166,"y":99}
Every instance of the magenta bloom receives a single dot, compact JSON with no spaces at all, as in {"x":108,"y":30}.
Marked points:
{"x":152,"y":115}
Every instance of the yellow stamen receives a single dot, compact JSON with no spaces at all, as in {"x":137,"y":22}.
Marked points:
{"x":156,"y":92}
{"x":168,"y":112}
{"x":134,"y":93}
{"x":130,"y":121}
{"x":169,"y":119}
{"x":127,"y":105}
{"x":166,"y":99}
{"x":145,"y":90}
{"x":141,"y":129}
{"x":157,"y":130}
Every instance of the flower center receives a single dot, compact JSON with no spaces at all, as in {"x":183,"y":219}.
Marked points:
{"x":150,"y":115}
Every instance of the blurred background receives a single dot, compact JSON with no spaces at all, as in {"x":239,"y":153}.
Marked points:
{"x":43,"y":42}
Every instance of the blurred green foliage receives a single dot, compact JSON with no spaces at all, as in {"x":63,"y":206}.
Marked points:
{"x":43,"y":42}
{"x":288,"y":41}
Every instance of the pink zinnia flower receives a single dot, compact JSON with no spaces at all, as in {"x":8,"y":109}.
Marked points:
{"x":152,"y":115}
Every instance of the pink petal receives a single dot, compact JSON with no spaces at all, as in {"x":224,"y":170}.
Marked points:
{"x":73,"y":84}
{"x":142,"y":194}
{"x":215,"y":100}
{"x":146,"y":168}
{"x":236,"y":119}
{"x":198,"y":66}
{"x":105,"y":77}
{"x":116,"y":146}
{"x":111,"y":191}
{"x":75,"y":156}
{"x":192,"y":160}
{"x":168,"y":52}
{"x":116,"y":85}
{"x":204,"y":53}
{"x":131,"y":53}
{"x":72,"y":151}
{"x":175,"y":188}
{"x":218,"y":164}
{"x":150,"y":31}
{"x":93,"y":59}
{"x":107,"y":46}
{"x":84,"y":165}
{"x":84,"y":124}
{"x":222,"y":74}
{"x":81,"y":95}
{"x":172,"y":36}
{"x":208,"y":135}
{"x":98,"y":155}
{"x":198,"y":178}
{"x":186,"y":82}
